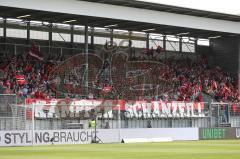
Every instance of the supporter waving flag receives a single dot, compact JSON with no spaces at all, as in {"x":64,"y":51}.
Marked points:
{"x":35,"y":53}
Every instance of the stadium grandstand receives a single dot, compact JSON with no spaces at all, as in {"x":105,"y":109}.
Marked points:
{"x":116,"y":71}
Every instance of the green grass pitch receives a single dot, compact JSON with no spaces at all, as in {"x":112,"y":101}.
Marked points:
{"x":218,"y":149}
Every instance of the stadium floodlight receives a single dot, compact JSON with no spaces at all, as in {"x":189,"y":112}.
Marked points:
{"x":23,"y":16}
{"x":112,"y":25}
{"x":69,"y":21}
{"x":186,"y":33}
{"x":214,"y":37}
{"x":149,"y":29}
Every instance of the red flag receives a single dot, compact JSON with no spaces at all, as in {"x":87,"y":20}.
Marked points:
{"x":34,"y":52}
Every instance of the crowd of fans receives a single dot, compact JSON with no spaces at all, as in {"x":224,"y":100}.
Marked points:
{"x":192,"y":78}
{"x":183,"y":79}
{"x":26,"y":76}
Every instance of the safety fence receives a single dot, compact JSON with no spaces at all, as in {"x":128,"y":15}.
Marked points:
{"x":114,"y":114}
{"x":74,"y":121}
{"x":19,"y":49}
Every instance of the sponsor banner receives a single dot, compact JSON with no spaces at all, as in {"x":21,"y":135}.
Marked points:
{"x":85,"y":136}
{"x":173,"y":133}
{"x":72,"y":108}
{"x":47,"y":137}
{"x":218,"y":133}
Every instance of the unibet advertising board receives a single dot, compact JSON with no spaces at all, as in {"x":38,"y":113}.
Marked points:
{"x":218,"y":133}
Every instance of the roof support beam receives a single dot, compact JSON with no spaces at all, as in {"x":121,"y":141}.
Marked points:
{"x":72,"y":35}
{"x":5,"y":28}
{"x":86,"y":58}
{"x":92,"y":37}
{"x":180,"y":44}
{"x":50,"y":38}
{"x":147,"y":41}
{"x":4,"y":33}
{"x":164,"y":42}
{"x":28,"y":32}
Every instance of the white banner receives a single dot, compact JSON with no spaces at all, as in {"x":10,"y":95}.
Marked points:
{"x":173,"y":133}
{"x":164,"y":109}
{"x":47,"y":137}
{"x":238,"y":133}
{"x":72,"y":108}
{"x":85,"y":136}
{"x":68,"y":107}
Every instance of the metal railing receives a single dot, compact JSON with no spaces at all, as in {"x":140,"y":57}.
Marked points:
{"x":113,"y":114}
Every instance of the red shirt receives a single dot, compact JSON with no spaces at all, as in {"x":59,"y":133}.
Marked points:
{"x":39,"y":95}
{"x":28,"y":68}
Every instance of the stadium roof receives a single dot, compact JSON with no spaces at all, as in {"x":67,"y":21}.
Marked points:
{"x":171,"y":9}
{"x":53,"y":14}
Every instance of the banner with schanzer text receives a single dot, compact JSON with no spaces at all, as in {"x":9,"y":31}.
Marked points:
{"x":69,"y":107}
{"x":166,"y":109}
{"x":72,"y":108}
